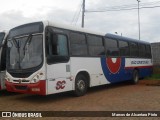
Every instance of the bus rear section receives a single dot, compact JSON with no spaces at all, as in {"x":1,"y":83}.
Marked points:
{"x":132,"y":57}
{"x":2,"y":59}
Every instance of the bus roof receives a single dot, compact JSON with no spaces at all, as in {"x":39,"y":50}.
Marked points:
{"x":117,"y":37}
{"x":74,"y":28}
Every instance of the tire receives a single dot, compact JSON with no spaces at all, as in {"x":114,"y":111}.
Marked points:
{"x":135,"y":77}
{"x":80,"y":85}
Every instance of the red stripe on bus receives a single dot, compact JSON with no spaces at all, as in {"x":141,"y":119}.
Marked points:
{"x":132,"y":67}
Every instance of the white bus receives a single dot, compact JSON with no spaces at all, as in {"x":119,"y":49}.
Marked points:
{"x":2,"y":59}
{"x":46,"y":58}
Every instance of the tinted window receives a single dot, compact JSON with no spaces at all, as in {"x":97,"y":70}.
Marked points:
{"x":134,"y":50}
{"x":56,"y":46}
{"x":148,"y":51}
{"x":59,"y":45}
{"x":77,"y":38}
{"x":94,"y":40}
{"x":78,"y":44}
{"x":26,"y":29}
{"x":111,"y":47}
{"x":123,"y":48}
{"x":1,"y":37}
{"x":95,"y":45}
{"x":142,"y":50}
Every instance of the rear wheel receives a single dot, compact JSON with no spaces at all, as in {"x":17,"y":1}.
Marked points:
{"x":135,"y":77}
{"x":80,"y":85}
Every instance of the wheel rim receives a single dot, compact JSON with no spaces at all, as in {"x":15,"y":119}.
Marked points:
{"x":81,"y":85}
{"x":136,"y":77}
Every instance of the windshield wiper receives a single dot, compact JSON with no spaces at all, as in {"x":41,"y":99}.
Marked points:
{"x":28,"y":41}
{"x":17,"y":45}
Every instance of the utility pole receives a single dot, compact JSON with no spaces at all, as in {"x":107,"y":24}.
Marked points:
{"x":83,"y":10}
{"x":139,"y":20}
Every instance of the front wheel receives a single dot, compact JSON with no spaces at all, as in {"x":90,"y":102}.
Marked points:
{"x":135,"y":77}
{"x":80,"y":85}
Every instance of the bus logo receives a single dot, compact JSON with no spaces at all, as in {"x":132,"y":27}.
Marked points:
{"x":60,"y":85}
{"x":113,"y":69}
{"x":114,"y":64}
{"x":20,"y":81}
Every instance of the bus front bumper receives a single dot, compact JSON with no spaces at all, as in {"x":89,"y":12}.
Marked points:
{"x":27,"y":88}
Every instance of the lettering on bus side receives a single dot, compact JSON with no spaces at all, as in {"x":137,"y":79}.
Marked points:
{"x":60,"y":84}
{"x":139,"y":62}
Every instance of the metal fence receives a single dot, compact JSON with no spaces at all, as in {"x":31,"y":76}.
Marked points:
{"x":156,"y":53}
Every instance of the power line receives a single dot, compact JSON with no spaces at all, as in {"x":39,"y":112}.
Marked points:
{"x":131,"y":5}
{"x":78,"y":17}
{"x":121,"y":9}
{"x":77,"y":13}
{"x":127,"y":7}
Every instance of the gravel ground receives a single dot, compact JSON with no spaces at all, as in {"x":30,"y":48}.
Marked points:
{"x":145,"y":96}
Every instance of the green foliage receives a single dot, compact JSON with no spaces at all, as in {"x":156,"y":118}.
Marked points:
{"x":154,"y":77}
{"x":156,"y":70}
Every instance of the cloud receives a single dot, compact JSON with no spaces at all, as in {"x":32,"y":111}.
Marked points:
{"x":11,"y":19}
{"x":124,"y":22}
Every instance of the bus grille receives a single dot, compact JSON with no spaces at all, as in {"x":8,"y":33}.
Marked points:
{"x":21,"y":81}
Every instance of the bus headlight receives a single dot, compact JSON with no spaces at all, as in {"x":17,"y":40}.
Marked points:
{"x":37,"y":77}
{"x":7,"y":78}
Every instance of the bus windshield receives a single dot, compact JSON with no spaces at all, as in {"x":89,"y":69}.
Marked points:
{"x":2,"y":34}
{"x":24,"y":51}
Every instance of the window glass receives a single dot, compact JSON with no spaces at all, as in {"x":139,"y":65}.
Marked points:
{"x":95,"y":45}
{"x":1,"y":37}
{"x":78,"y":44}
{"x":59,"y":45}
{"x":77,"y":38}
{"x":148,"y":51}
{"x":78,"y":50}
{"x":25,"y":52}
{"x":134,"y":50}
{"x":124,"y":48}
{"x":94,"y":40}
{"x":111,"y":47}
{"x":30,"y":28}
{"x":142,"y":50}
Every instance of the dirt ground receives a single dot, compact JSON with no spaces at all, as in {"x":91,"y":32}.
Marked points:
{"x":145,"y":96}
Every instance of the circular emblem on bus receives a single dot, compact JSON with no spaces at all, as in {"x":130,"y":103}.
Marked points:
{"x":113,"y":69}
{"x":113,"y":64}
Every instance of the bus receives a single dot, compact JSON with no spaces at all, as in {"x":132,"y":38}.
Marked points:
{"x":46,"y":58}
{"x":3,"y":35}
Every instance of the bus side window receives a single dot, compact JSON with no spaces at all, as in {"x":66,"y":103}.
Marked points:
{"x":59,"y":45}
{"x":124,"y":48}
{"x":58,"y":48}
{"x":142,"y":51}
{"x":3,"y":58}
{"x":148,"y":51}
{"x":134,"y":50}
{"x":78,"y":44}
{"x":95,"y":45}
{"x":111,"y":47}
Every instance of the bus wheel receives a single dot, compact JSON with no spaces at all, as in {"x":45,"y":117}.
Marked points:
{"x":135,"y":77}
{"x":80,"y":85}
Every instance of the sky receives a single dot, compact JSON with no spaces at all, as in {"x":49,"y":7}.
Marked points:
{"x":122,"y":22}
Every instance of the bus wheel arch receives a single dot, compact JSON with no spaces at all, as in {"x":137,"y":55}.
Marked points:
{"x":82,"y":82}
